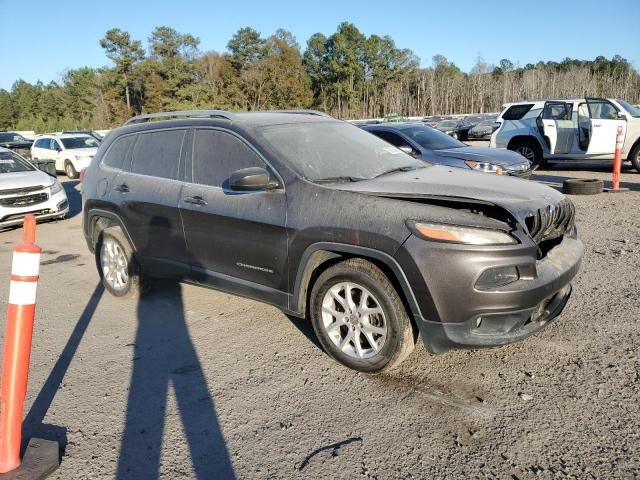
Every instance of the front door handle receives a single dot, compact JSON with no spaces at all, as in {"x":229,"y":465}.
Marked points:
{"x":122,"y":188}
{"x":197,"y":200}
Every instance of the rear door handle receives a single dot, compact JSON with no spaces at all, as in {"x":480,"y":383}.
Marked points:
{"x":197,"y":200}
{"x":123,"y":188}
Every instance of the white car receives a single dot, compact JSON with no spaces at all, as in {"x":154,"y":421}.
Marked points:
{"x":25,"y":189}
{"x":574,"y":129}
{"x":72,"y":152}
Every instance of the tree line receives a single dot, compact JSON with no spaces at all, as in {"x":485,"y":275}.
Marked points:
{"x":346,"y":74}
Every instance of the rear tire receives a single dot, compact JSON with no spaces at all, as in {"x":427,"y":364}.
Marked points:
{"x":580,"y":186}
{"x":529,"y":149}
{"x":117,"y":266}
{"x":634,"y":157}
{"x":359,"y":318}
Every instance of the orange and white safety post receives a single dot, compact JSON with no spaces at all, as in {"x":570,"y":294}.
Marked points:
{"x":17,"y":344}
{"x":617,"y":159}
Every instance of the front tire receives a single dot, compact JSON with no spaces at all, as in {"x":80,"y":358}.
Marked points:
{"x":359,"y":318}
{"x":118,"y":268}
{"x":70,"y":170}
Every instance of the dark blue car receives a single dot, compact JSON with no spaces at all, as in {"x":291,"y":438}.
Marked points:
{"x":433,"y":146}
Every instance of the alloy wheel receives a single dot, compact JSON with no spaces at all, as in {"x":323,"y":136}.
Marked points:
{"x":354,"y":320}
{"x":114,"y":263}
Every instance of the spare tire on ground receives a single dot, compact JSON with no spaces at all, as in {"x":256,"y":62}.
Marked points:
{"x":582,"y":186}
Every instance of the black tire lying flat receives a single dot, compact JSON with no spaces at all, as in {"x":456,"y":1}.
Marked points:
{"x":355,"y":323}
{"x":581,"y":186}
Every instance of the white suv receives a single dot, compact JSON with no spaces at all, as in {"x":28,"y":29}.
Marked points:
{"x":72,"y":152}
{"x":575,"y":129}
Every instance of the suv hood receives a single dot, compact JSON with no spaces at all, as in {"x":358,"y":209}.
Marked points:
{"x":520,"y":198}
{"x":17,"y":180}
{"x":504,"y":158}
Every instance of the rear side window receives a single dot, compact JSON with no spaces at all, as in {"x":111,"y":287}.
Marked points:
{"x":118,"y":152}
{"x":516,"y":112}
{"x":157,"y":154}
{"x":217,"y":154}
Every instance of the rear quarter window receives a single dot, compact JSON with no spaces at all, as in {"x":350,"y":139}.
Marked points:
{"x":516,"y":112}
{"x":118,"y":152}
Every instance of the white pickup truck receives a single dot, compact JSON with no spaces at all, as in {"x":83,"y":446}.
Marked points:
{"x":569,"y":129}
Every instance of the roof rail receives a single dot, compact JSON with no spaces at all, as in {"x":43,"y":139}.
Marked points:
{"x":302,"y":111}
{"x":181,"y":113}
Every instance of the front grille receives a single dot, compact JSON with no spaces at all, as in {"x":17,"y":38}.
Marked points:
{"x":24,"y":201}
{"x":552,"y":221}
{"x":22,"y":190}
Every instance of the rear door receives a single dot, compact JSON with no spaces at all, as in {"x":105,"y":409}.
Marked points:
{"x":604,"y":123}
{"x":558,"y":127}
{"x":235,"y":240}
{"x":148,"y":190}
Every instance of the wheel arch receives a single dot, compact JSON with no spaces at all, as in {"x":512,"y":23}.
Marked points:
{"x":320,"y":256}
{"x":98,"y":221}
{"x":523,"y":138}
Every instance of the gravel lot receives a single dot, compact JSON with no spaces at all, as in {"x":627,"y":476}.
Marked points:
{"x":193,"y":383}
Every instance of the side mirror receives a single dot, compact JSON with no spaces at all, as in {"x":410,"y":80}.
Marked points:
{"x":621,"y":116}
{"x":406,"y":149}
{"x":252,"y":178}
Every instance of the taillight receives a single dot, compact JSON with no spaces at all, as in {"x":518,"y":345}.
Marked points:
{"x":82,"y":174}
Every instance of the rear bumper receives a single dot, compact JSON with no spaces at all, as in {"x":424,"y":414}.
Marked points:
{"x":465,"y":317}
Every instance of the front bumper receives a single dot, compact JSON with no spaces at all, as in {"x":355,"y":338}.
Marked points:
{"x":56,"y":206}
{"x":462,"y":316}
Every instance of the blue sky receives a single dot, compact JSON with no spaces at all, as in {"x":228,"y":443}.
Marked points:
{"x":39,"y":40}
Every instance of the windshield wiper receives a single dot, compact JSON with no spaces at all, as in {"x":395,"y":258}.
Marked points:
{"x":396,"y":170}
{"x":338,"y":179}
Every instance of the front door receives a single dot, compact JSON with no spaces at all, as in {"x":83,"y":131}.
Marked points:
{"x":604,"y":122}
{"x":558,"y":127}
{"x":235,"y":240}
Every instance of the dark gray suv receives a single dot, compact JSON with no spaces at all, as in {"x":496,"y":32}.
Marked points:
{"x":326,"y":221}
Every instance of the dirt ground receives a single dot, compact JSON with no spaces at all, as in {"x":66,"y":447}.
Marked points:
{"x":193,"y":383}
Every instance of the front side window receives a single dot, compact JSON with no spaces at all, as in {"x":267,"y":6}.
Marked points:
{"x":13,"y":163}
{"x":602,"y":110}
{"x":217,"y":154}
{"x":71,"y":143}
{"x":157,"y":154}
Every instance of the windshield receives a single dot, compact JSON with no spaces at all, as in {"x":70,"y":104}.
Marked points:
{"x":335,"y":150}
{"x":447,"y":123}
{"x":12,"y":137}
{"x":431,"y":139}
{"x":634,"y":111}
{"x":12,"y":163}
{"x":79,"y":142}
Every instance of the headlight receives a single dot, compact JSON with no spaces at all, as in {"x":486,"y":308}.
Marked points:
{"x":457,"y":234}
{"x":484,"y":167}
{"x":55,"y":187}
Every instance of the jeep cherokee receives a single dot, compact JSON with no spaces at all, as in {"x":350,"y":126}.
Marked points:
{"x":326,"y":221}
